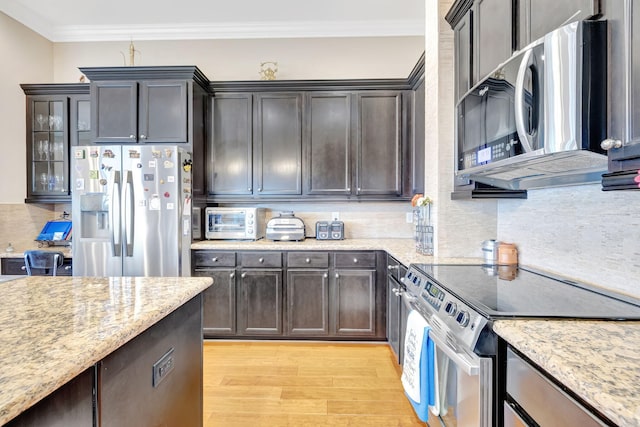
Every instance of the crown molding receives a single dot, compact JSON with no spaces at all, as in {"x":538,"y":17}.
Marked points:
{"x":238,"y":30}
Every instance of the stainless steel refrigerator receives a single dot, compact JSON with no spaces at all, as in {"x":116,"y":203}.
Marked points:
{"x":131,"y":210}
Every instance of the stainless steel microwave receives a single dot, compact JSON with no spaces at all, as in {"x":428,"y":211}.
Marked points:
{"x":539,"y":118}
{"x":234,"y":223}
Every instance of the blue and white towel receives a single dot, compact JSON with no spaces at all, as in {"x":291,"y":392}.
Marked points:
{"x":418,"y":373}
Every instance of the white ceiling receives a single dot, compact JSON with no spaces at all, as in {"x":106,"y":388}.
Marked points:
{"x":100,"y":20}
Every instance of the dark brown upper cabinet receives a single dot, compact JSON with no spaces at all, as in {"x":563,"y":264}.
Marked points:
{"x":327,"y":143}
{"x":483,"y":39}
{"x":152,"y":105}
{"x":535,"y":18}
{"x":56,"y":117}
{"x":278,"y":143}
{"x":623,"y":136}
{"x":139,"y":112}
{"x":256,"y":147}
{"x":378,"y":146}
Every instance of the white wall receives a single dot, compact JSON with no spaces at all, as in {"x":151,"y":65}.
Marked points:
{"x":319,"y":58}
{"x":460,"y":226}
{"x":26,"y":57}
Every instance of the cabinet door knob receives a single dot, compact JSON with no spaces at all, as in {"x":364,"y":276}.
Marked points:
{"x":355,"y":260}
{"x":260,"y":260}
{"x":259,"y":188}
{"x":359,"y":189}
{"x":325,"y":275}
{"x":23,"y":268}
{"x":232,"y":275}
{"x":67,"y":267}
{"x":307,"y":260}
{"x":610,"y":143}
{"x":337,"y":276}
{"x":392,"y":267}
{"x":143,"y":136}
{"x":249,"y":189}
{"x":243,"y":275}
{"x":132,"y":137}
{"x":214,"y":259}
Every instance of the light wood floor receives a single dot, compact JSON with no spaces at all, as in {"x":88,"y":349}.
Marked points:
{"x":303,"y":384}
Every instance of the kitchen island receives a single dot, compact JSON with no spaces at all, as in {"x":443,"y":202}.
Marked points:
{"x":56,"y":330}
{"x":599,"y":361}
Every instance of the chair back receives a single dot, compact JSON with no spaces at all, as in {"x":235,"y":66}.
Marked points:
{"x":43,"y":263}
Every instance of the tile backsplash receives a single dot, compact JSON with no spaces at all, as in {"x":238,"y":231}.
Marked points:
{"x":581,"y":232}
{"x":21,"y":223}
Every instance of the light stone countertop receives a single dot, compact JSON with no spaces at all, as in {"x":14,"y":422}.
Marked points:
{"x":403,"y":250}
{"x":54,"y":328}
{"x":597,"y":360}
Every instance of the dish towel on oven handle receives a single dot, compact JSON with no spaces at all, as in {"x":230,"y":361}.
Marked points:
{"x":418,"y":373}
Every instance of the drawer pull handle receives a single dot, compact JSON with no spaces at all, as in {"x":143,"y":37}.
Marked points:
{"x":355,"y":260}
{"x":67,"y":267}
{"x":260,"y":260}
{"x":392,"y":267}
{"x":23,"y":268}
{"x":214,"y":259}
{"x":307,"y":260}
{"x":132,"y":136}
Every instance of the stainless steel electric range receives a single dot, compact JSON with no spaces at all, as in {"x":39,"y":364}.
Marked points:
{"x":460,"y":303}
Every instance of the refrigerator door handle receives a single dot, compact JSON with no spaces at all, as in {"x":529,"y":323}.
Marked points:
{"x":129,"y":214}
{"x":114,"y":216}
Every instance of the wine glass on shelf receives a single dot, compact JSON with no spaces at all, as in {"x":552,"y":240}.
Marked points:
{"x":40,"y":150}
{"x":59,"y":179}
{"x":44,"y":180}
{"x":41,"y":119}
{"x":45,"y":149}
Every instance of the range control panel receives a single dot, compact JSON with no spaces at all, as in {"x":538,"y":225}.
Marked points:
{"x":433,"y":300}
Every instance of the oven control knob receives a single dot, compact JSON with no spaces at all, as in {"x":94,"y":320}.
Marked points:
{"x":463,"y":318}
{"x":451,"y":308}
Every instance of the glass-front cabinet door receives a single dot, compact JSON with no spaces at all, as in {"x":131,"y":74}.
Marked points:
{"x":48,"y":148}
{"x":57,"y":116}
{"x":80,"y":120}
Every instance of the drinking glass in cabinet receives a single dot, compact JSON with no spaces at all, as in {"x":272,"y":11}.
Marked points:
{"x":41,"y":119}
{"x":44,"y":181}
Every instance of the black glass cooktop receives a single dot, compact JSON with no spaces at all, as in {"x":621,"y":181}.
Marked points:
{"x":517,"y":292}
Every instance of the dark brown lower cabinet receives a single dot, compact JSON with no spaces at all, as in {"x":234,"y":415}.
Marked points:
{"x":296,"y":294}
{"x":15,"y":266}
{"x":354,"y":303}
{"x":260,"y":302}
{"x":307,"y":302}
{"x":219,"y":302}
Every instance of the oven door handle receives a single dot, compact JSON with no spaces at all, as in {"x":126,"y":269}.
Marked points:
{"x":470,"y":365}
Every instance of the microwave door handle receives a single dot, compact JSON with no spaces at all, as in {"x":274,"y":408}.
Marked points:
{"x":520,"y":104}
{"x":114,"y":216}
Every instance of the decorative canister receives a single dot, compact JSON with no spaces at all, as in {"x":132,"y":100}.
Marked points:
{"x":507,"y":254}
{"x":490,"y":251}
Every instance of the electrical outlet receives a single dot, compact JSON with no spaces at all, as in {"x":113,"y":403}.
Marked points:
{"x":163,"y":367}
{"x":409,"y":217}
{"x":335,"y":216}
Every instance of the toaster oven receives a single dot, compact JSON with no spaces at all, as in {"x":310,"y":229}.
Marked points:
{"x":234,"y":223}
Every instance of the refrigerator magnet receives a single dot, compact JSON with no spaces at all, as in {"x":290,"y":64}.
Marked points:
{"x":154,"y":203}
